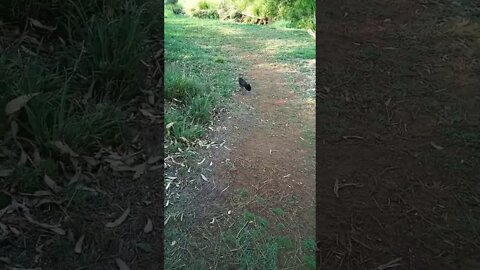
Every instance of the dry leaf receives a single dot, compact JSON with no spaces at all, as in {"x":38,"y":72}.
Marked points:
{"x":169,"y":125}
{"x":91,"y":161}
{"x":121,"y":264}
{"x":45,"y":201}
{"x":119,"y":220}
{"x":42,"y":193}
{"x":36,"y":156}
{"x":23,"y":159}
{"x":18,"y":103}
{"x":51,"y":184}
{"x":147,"y":113}
{"x":391,"y":264}
{"x":38,"y":24}
{"x":388,"y":102}
{"x":14,"y":230}
{"x":139,"y":170}
{"x":153,"y":160}
{"x":436,"y":146}
{"x":55,"y":229}
{"x":78,"y":245}
{"x":64,"y":148}
{"x":148,"y":227}
{"x":203,"y":177}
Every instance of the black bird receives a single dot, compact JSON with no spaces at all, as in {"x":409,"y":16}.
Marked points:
{"x":244,"y":84}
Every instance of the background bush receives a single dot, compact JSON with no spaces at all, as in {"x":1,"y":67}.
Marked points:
{"x":300,"y":13}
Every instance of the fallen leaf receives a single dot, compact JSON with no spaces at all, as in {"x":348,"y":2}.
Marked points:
{"x":436,"y":146}
{"x":45,"y":201}
{"x":174,"y":243}
{"x":147,"y":113}
{"x":23,"y":159}
{"x":51,"y":184}
{"x":148,"y":227}
{"x":42,"y":193}
{"x":53,"y":228}
{"x":203,"y":177}
{"x":119,"y":220}
{"x":18,"y":103}
{"x":38,"y":24}
{"x":388,"y":102}
{"x":169,"y":125}
{"x":14,"y":230}
{"x":64,"y":148}
{"x":78,"y":245}
{"x":36,"y":156}
{"x":139,"y":170}
{"x":121,"y":264}
{"x":153,"y":160}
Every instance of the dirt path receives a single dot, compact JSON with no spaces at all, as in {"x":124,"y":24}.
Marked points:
{"x":263,"y":176}
{"x":269,"y":159}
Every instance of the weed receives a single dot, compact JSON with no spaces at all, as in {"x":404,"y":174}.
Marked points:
{"x":278,"y":211}
{"x":244,"y":193}
{"x":309,"y":261}
{"x":309,"y":245}
{"x":284,"y":242}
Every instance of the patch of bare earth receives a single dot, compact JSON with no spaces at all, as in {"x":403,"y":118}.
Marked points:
{"x":393,"y":191}
{"x":261,"y":151}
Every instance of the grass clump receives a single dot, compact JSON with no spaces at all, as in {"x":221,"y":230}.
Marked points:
{"x":197,"y":81}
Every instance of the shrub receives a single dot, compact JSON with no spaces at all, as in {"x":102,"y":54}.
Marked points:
{"x":113,"y":56}
{"x":182,"y":88}
{"x":206,"y":14}
{"x":204,"y":5}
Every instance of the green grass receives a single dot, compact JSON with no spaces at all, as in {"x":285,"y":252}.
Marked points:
{"x":86,"y":74}
{"x":200,"y":72}
{"x":278,"y":211}
{"x":203,"y":60}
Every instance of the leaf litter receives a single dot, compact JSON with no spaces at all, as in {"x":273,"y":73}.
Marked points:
{"x":119,"y":220}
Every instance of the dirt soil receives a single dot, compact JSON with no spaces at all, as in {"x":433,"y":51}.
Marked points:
{"x":397,"y":158}
{"x":266,"y":157}
{"x":269,"y":156}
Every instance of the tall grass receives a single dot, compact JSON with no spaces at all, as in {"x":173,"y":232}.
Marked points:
{"x":196,"y":83}
{"x":85,"y":64}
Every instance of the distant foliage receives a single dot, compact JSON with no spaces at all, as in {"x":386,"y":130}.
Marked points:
{"x":301,"y":13}
{"x":206,"y":14}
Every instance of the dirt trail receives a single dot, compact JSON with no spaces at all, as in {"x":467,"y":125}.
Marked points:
{"x":269,"y":158}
